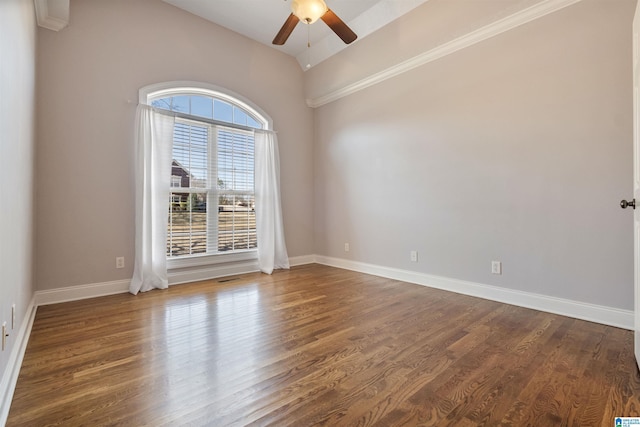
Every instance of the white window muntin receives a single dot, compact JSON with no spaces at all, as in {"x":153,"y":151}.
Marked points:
{"x":211,"y":189}
{"x":162,"y":90}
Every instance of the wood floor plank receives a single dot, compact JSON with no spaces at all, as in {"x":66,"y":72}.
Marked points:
{"x":317,"y":345}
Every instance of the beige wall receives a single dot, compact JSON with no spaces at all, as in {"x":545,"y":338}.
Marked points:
{"x":516,"y":149}
{"x":17,"y":91}
{"x":86,"y":74}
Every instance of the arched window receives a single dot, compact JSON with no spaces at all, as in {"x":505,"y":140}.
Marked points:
{"x":212,"y":190}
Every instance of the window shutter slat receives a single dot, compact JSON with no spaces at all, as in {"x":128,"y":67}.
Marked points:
{"x":212,"y":189}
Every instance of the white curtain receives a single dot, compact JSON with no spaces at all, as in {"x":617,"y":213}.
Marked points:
{"x":272,"y":251}
{"x":154,"y":144}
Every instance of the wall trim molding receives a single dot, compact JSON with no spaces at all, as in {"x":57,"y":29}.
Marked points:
{"x":52,"y":14}
{"x":368,"y":22}
{"x":503,"y":25}
{"x":74,"y":293}
{"x":12,"y":370}
{"x":212,"y":272}
{"x":302,"y":260}
{"x":565,"y":307}
{"x":176,"y":277}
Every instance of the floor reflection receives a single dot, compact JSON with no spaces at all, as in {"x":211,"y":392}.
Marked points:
{"x":210,"y":344}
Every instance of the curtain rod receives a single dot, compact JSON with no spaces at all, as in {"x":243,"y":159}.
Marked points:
{"x":204,"y":119}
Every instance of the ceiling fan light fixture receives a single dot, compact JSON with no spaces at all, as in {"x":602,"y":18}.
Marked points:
{"x":308,"y":11}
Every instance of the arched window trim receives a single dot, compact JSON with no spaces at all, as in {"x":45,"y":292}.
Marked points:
{"x":162,"y":90}
{"x":148,"y":94}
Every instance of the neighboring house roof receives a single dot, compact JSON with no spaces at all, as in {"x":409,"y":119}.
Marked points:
{"x":177,"y":164}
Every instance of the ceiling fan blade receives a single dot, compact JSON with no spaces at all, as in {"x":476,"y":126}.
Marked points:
{"x":286,"y":30}
{"x":339,"y":27}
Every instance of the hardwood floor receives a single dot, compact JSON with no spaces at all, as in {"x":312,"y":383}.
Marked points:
{"x":319,"y":346}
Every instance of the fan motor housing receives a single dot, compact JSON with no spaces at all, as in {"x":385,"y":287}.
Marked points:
{"x":308,"y":11}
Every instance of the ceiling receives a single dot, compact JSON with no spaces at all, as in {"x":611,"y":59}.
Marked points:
{"x":260,"y":20}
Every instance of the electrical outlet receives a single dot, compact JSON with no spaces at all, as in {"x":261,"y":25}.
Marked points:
{"x":120,"y":262}
{"x":496,"y":267}
{"x":13,"y":316}
{"x":414,"y":256}
{"x":4,"y":335}
{"x":346,"y":247}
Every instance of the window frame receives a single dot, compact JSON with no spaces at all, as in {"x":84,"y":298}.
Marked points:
{"x":162,"y":90}
{"x":150,"y":93}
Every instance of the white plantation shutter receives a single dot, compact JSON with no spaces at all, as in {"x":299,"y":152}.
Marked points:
{"x":213,"y":209}
{"x":188,"y":232}
{"x":236,"y":189}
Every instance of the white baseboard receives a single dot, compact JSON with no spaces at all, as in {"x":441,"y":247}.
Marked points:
{"x":215,"y":272}
{"x":74,"y":293}
{"x":565,"y":307}
{"x":12,"y":370}
{"x":302,"y":260}
{"x":93,"y":290}
{"x":212,"y":272}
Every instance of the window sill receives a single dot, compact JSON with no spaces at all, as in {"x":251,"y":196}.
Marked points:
{"x":202,"y":260}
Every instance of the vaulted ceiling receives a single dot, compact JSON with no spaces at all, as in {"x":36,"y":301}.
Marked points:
{"x":260,"y":20}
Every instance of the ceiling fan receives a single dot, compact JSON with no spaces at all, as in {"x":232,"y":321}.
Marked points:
{"x":309,"y":11}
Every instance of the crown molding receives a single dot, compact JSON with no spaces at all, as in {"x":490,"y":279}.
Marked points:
{"x":52,"y":14}
{"x":371,"y":20}
{"x":503,"y":25}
